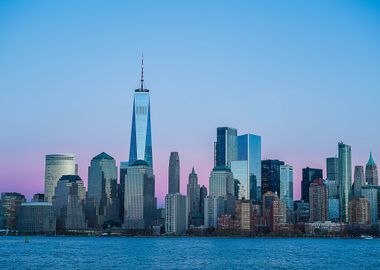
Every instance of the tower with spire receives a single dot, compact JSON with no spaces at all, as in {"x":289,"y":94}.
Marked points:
{"x":371,"y":173}
{"x":141,"y":137}
{"x":194,"y":199}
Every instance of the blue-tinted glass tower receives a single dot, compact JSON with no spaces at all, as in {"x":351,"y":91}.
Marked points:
{"x":141,"y":138}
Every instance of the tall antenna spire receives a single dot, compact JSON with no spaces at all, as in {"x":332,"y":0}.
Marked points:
{"x":142,"y":72}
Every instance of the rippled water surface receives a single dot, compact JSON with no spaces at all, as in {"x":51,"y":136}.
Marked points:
{"x":187,"y":253}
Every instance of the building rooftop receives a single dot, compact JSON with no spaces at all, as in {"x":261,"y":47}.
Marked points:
{"x":371,"y":162}
{"x":36,"y":204}
{"x":103,"y":155}
{"x":70,"y":178}
{"x":140,"y":163}
{"x":221,"y":168}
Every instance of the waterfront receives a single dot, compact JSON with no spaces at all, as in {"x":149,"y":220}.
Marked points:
{"x":187,"y":253}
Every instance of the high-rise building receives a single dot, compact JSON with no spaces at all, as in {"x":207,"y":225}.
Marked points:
{"x":270,"y":175}
{"x":203,"y":195}
{"x":221,"y":182}
{"x":214,"y":207}
{"x":176,"y":217}
{"x":193,"y":197}
{"x":102,"y":202}
{"x":10,"y":203}
{"x":308,"y":176}
{"x":247,"y":168}
{"x":286,"y":185}
{"x":244,"y":215}
{"x":174,"y":173}
{"x":318,"y":199}
{"x":332,"y":168}
{"x":359,"y":211}
{"x":345,"y":180}
{"x":333,"y":199}
{"x":68,"y":203}
{"x":57,"y":165}
{"x":277,"y":215}
{"x":139,"y":202}
{"x":371,"y":193}
{"x":123,"y":172}
{"x":371,"y":173}
{"x":37,"y":218}
{"x":225,"y":146}
{"x":359,"y":180}
{"x":141,"y":137}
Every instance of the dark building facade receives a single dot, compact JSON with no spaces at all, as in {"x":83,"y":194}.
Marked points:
{"x":308,"y":176}
{"x":37,"y":218}
{"x":10,"y":204}
{"x":225,"y":146}
{"x":270,"y":176}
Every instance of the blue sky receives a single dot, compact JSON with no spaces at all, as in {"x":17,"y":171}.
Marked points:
{"x":302,"y":74}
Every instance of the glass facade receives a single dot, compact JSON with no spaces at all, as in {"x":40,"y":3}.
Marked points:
{"x":286,"y":185}
{"x":345,"y":180}
{"x":141,"y":138}
{"x":225,"y":146}
{"x":371,"y":193}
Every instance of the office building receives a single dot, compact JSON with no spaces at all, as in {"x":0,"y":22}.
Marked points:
{"x":139,"y":203}
{"x":345,"y":180}
{"x":270,"y":175}
{"x":203,"y":195}
{"x":247,"y":168}
{"x":371,"y":173}
{"x":57,"y":165}
{"x":308,"y":176}
{"x":359,"y":181}
{"x":141,"y":137}
{"x":121,"y":194}
{"x":102,"y":202}
{"x":10,"y":204}
{"x":225,"y":147}
{"x":221,"y":182}
{"x":68,"y":203}
{"x":214,"y":207}
{"x":37,"y":218}
{"x":318,"y":200}
{"x":359,"y":211}
{"x":371,"y":193}
{"x":332,"y":168}
{"x":193,"y":198}
{"x":176,"y":214}
{"x":174,"y":173}
{"x":286,"y":185}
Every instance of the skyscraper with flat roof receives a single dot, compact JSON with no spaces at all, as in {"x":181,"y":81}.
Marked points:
{"x":359,"y":180}
{"x":225,"y":146}
{"x":270,"y":172}
{"x":141,"y":137}
{"x":286,"y":185}
{"x":308,"y":176}
{"x":175,"y":214}
{"x":57,"y":165}
{"x":174,"y":173}
{"x":332,"y":168}
{"x":247,"y":168}
{"x":345,"y":180}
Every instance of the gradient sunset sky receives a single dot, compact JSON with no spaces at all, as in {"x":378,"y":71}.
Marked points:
{"x":302,"y":74}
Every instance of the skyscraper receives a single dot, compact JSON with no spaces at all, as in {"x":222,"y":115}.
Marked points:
{"x":139,"y":202}
{"x":359,"y":180}
{"x":318,"y":201}
{"x":371,"y":173}
{"x":174,"y":173}
{"x":141,"y":138}
{"x":68,"y":203}
{"x":286,"y":185}
{"x":57,"y":165}
{"x":102,"y":198}
{"x":214,"y":207}
{"x":221,"y":182}
{"x":371,"y":193}
{"x":308,"y":176}
{"x":247,"y":168}
{"x":123,"y":172}
{"x":193,"y":196}
{"x":225,"y":146}
{"x":176,"y":218}
{"x":203,"y":194}
{"x":10,"y":203}
{"x":270,"y":172}
{"x":345,"y":179}
{"x":332,"y":168}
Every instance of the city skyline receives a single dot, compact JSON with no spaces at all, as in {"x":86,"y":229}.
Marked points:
{"x":68,"y":116}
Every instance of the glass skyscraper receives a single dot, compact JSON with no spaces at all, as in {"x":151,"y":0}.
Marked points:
{"x":141,"y":138}
{"x":345,"y":179}
{"x":247,"y":168}
{"x":286,"y":185}
{"x":225,"y":146}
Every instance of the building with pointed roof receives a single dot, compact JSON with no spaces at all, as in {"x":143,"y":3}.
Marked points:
{"x":371,"y":173}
